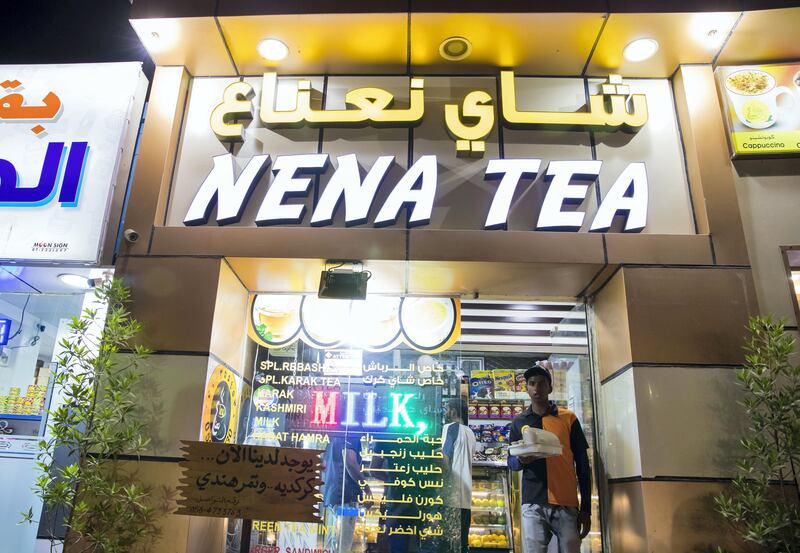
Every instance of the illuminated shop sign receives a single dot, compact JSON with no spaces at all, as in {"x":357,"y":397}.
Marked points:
{"x":378,"y":323}
{"x":53,"y":169}
{"x":614,"y":108}
{"x":14,"y":108}
{"x":569,"y":182}
{"x":385,"y":400}
{"x":327,"y":412}
{"x":762,"y":108}
{"x":468,"y":123}
{"x":5,"y":330}
{"x":445,"y":153}
{"x":65,"y":131}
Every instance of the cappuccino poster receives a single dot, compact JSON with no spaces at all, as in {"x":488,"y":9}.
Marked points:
{"x":762,"y":108}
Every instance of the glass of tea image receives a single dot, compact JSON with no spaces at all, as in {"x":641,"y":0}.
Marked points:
{"x":755,"y":98}
{"x":280,"y":315}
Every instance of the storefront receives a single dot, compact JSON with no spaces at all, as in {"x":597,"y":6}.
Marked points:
{"x":510,"y":191}
{"x":68,"y":135}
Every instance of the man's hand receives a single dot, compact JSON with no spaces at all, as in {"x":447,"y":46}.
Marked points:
{"x":526,"y":459}
{"x":366,"y":493}
{"x":584,"y":524}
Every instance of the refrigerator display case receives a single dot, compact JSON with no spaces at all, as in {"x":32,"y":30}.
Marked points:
{"x":491,"y":512}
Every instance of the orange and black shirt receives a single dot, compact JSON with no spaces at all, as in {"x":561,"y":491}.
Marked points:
{"x":555,"y":480}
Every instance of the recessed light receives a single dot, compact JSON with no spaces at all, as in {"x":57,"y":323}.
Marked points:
{"x":640,"y":49}
{"x":272,"y":49}
{"x":158,"y":35}
{"x":76,"y":281}
{"x":708,"y":29}
{"x":455,"y":48}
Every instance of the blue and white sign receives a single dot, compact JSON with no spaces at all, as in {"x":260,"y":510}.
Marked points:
{"x":65,"y":143}
{"x":5,"y":330}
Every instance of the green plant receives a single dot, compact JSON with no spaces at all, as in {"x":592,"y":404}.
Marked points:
{"x":764,"y":503}
{"x":96,"y":423}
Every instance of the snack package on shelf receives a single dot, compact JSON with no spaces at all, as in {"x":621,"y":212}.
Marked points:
{"x":481,"y":385}
{"x":504,"y":384}
{"x":520,"y":386}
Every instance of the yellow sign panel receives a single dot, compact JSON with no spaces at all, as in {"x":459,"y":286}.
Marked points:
{"x":762,"y":107}
{"x":782,"y":142}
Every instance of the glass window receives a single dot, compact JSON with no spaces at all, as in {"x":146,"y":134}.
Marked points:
{"x":415,"y":444}
{"x":31,"y":326}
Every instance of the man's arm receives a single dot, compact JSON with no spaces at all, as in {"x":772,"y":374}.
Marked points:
{"x":583,"y":471}
{"x":446,"y":463}
{"x":354,"y":470}
{"x":514,"y":436}
{"x":378,"y":462}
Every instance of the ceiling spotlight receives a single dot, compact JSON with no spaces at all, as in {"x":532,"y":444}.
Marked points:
{"x":272,"y":49}
{"x":455,"y":48}
{"x":640,"y":49}
{"x":76,"y":281}
{"x":157,"y":35}
{"x":709,"y":29}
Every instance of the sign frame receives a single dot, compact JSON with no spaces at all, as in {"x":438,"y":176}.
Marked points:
{"x":764,"y":135}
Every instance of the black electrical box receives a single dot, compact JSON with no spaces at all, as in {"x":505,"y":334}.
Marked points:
{"x":343,"y":285}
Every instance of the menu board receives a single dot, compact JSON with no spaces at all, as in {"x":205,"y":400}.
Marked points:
{"x":762,"y":108}
{"x":250,"y":482}
{"x":385,"y":410}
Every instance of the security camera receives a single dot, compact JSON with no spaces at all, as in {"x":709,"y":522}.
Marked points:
{"x":131,"y":236}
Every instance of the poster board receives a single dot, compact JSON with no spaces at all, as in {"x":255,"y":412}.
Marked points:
{"x":249,"y":482}
{"x":761,"y":106}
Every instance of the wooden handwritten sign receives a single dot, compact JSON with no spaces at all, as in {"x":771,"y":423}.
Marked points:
{"x":249,"y":482}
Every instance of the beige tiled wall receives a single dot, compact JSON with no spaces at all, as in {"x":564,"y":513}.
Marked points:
{"x":667,"y":517}
{"x":668,"y":341}
{"x":768,"y":198}
{"x":177,"y":299}
{"x":689,"y":419}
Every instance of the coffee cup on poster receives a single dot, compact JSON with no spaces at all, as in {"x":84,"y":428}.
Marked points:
{"x":758,"y":103}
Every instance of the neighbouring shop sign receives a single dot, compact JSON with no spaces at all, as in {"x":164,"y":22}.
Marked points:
{"x":65,"y":131}
{"x":762,"y":108}
{"x":378,"y":323}
{"x":249,"y":482}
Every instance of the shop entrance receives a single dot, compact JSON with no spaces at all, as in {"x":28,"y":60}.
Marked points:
{"x":373,"y":385}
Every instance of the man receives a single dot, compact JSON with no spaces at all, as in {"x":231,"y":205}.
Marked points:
{"x":342,"y":474}
{"x":458,"y":448}
{"x":549,"y":494}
